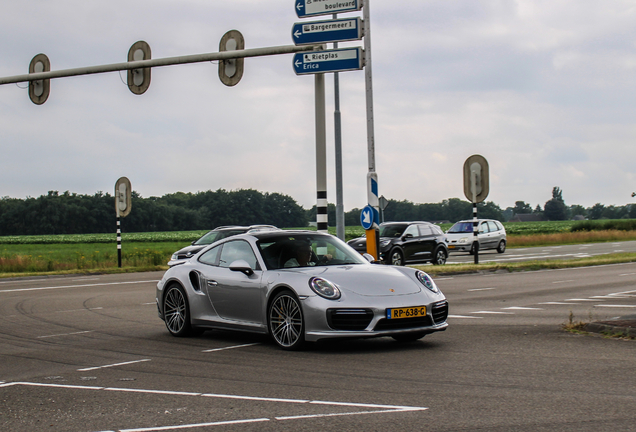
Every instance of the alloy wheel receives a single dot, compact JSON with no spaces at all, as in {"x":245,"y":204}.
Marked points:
{"x":286,"y":321}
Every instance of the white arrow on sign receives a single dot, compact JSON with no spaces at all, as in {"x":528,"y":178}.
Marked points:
{"x":299,"y":6}
{"x":297,"y":34}
{"x":366,"y":217}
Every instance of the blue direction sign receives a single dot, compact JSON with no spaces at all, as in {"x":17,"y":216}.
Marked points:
{"x":337,"y":60}
{"x":327,"y":31}
{"x":308,"y":8}
{"x":369,"y":216}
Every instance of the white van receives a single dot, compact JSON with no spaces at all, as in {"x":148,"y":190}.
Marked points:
{"x":492,"y":235}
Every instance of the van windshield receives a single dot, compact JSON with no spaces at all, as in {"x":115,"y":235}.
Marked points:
{"x":461,"y":227}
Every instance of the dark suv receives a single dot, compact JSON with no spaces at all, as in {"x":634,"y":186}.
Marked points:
{"x":408,"y":242}
{"x":210,"y":237}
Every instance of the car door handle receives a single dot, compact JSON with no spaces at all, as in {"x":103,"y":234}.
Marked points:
{"x":212,"y":283}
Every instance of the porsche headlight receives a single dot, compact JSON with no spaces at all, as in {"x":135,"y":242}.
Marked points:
{"x":324,"y":288}
{"x":426,"y":281}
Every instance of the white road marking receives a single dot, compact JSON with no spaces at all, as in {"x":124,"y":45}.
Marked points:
{"x":615,"y":306}
{"x":112,"y":365}
{"x":563,"y":281}
{"x":522,"y":308}
{"x":65,"y":334}
{"x":146,"y":304}
{"x":220,"y":423}
{"x":579,"y":299}
{"x":494,"y":312}
{"x":557,"y":303}
{"x":346,"y":414}
{"x":627,"y":274}
{"x":481,"y":289}
{"x":164,"y":392}
{"x":80,"y":310}
{"x":230,"y":347}
{"x":464,"y":316}
{"x":76,"y":286}
{"x":379,"y":409}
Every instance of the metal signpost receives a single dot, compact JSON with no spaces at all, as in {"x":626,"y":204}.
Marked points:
{"x":321,"y":62}
{"x":476,"y":188}
{"x":123,"y":205}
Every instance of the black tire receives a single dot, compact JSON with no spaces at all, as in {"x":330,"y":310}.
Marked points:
{"x":474,"y":248}
{"x":396,"y":257}
{"x":501,"y":247}
{"x":286,"y":322}
{"x":439,"y":258}
{"x":408,"y":337}
{"x":176,"y":312}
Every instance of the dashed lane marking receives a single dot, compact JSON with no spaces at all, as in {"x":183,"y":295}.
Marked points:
{"x":230,"y":347}
{"x":76,"y":286}
{"x":615,"y":306}
{"x":112,"y":365}
{"x":464,"y":316}
{"x":65,"y":334}
{"x":494,"y":312}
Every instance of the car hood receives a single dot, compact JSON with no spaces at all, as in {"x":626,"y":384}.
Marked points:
{"x":191,"y":250}
{"x":368,"y":280}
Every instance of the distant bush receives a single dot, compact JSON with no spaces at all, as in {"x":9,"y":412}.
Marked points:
{"x":605,"y":225}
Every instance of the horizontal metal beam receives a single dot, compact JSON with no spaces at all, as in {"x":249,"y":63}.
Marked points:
{"x":169,"y":61}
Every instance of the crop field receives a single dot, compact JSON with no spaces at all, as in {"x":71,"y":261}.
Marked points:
{"x":98,"y":252}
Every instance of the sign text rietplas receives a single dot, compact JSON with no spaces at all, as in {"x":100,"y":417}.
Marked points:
{"x":337,"y":60}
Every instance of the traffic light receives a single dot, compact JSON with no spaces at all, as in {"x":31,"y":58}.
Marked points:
{"x":39,"y":89}
{"x":139,"y":79}
{"x":231,"y":71}
{"x":476,"y":178}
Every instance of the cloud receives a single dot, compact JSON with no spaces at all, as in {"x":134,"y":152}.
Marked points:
{"x":543,"y":89}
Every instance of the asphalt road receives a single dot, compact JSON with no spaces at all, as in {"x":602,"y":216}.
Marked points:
{"x":90,"y":354}
{"x":542,"y":253}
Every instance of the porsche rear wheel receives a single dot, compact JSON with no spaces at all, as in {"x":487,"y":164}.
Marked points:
{"x":285,"y":321}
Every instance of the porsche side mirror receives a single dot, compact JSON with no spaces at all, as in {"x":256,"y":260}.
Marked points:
{"x":242,"y":266}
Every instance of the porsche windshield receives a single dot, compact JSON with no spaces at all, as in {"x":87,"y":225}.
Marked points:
{"x":306,"y":250}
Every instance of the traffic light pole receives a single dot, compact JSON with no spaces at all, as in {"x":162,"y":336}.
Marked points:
{"x":168,"y":61}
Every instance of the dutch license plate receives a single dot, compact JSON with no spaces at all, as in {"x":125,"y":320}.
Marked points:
{"x":407,"y":312}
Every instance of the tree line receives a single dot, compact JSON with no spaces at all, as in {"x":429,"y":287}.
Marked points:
{"x":70,"y":213}
{"x":556,"y":209}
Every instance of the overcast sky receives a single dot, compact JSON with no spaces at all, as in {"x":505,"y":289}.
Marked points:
{"x":544,"y":89}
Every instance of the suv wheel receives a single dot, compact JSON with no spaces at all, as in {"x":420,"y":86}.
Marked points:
{"x":440,"y":257}
{"x":396,"y":257}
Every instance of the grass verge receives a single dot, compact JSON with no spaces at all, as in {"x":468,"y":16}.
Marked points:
{"x":616,"y":258}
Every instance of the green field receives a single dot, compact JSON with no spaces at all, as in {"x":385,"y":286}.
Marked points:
{"x":140,"y":251}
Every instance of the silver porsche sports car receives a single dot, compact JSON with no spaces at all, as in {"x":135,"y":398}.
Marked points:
{"x":297,"y":286}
